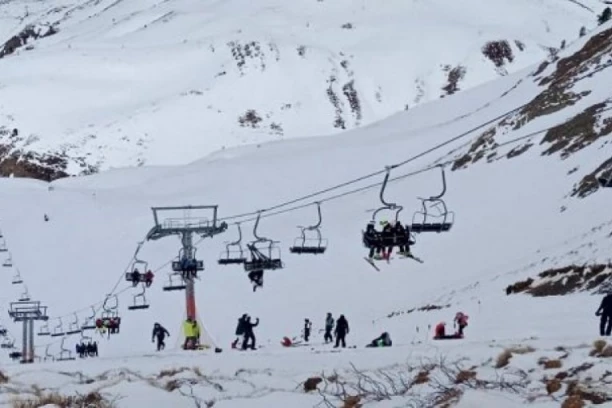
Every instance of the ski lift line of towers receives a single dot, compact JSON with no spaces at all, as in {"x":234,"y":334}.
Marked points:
{"x":186,"y":226}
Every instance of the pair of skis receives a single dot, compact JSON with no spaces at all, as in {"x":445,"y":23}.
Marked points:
{"x":371,"y":261}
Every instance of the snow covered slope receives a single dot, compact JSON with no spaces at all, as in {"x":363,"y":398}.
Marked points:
{"x":90,"y":85}
{"x":516,"y":219}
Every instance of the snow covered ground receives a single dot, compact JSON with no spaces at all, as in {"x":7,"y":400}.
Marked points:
{"x":166,"y":82}
{"x":515,"y":218}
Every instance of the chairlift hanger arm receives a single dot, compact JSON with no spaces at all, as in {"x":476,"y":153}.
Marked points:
{"x":439,"y":196}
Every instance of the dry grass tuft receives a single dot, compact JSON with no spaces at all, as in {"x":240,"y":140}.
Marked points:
{"x":573,"y":401}
{"x":91,"y":400}
{"x":503,"y":359}
{"x":553,"y":386}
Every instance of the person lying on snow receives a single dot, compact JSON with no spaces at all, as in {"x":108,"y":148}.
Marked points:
{"x":384,"y":340}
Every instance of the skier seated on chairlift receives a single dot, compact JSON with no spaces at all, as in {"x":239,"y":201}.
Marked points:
{"x":135,"y":277}
{"x":256,"y":278}
{"x":189,"y":268}
{"x":92,"y":349}
{"x":372,"y":239}
{"x":148,"y":278}
{"x":384,"y":340}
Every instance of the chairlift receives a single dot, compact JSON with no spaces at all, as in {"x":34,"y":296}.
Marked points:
{"x":305,"y":245}
{"x":48,"y":356}
{"x":178,"y":283}
{"x":74,"y":326}
{"x":110,"y":311}
{"x":59,"y":329}
{"x":373,"y":239}
{"x":260,"y":261}
{"x":8,"y":262}
{"x":3,"y":331}
{"x":25,"y":296}
{"x":44,"y":330}
{"x":7,"y":343}
{"x":425,"y":220}
{"x":143,"y":303}
{"x":187,"y":262}
{"x":90,"y":322}
{"x":136,"y":275}
{"x":229,"y":257}
{"x":84,"y":337}
{"x":65,"y":354}
{"x":17,"y":278}
{"x":3,"y":247}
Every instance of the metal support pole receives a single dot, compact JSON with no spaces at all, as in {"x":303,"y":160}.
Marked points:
{"x":31,"y":340}
{"x":24,"y":341}
{"x":189,"y":284}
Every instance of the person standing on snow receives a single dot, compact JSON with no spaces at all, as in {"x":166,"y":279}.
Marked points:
{"x":249,"y":335}
{"x":239,"y":330}
{"x":160,"y":333}
{"x":605,"y":311}
{"x":461,"y":321}
{"x":329,"y":326}
{"x":342,"y":329}
{"x":307,"y":328}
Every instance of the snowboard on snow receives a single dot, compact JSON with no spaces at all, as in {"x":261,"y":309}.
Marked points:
{"x":448,"y":338}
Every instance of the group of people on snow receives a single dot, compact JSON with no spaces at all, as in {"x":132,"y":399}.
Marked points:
{"x":460,"y":321}
{"x":88,"y":349}
{"x":381,"y":243}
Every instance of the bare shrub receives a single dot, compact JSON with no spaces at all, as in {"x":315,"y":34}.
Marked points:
{"x":553,"y":385}
{"x":311,"y":383}
{"x":503,"y":359}
{"x":573,"y":401}
{"x":521,"y":349}
{"x":498,"y":52}
{"x":3,"y":378}
{"x":606,"y":352}
{"x":91,"y":400}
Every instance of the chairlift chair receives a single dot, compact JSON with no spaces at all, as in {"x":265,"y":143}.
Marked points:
{"x":65,"y":354}
{"x":17,"y":278}
{"x":3,"y":247}
{"x":313,"y":246}
{"x":173,"y":284}
{"x":426,"y":221}
{"x":229,"y":257}
{"x":59,"y":329}
{"x":8,"y":262}
{"x":377,"y":240}
{"x":187,"y":263}
{"x":44,"y":330}
{"x":48,"y":356}
{"x":74,"y":326}
{"x":143,"y":303}
{"x":129,"y":276}
{"x":90,"y":322}
{"x":260,"y":261}
{"x":7,"y":343}
{"x":25,"y":296}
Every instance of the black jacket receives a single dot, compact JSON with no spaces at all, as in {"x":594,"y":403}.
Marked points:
{"x":160,"y":332}
{"x":342,"y":326}
{"x":606,"y":305}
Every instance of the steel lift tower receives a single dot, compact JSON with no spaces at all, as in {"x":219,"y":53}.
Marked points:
{"x":185,"y":222}
{"x":27,"y":312}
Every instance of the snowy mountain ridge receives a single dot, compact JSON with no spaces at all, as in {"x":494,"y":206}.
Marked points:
{"x":100,"y":84}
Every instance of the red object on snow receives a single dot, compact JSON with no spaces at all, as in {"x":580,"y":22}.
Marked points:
{"x":287,"y":342}
{"x":440,"y":330}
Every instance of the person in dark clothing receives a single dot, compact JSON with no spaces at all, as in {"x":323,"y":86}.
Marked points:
{"x":371,"y":238}
{"x":160,"y":333}
{"x":92,"y":349}
{"x":307,"y":328}
{"x":256,"y":278}
{"x":384,"y":340}
{"x":135,"y":277}
{"x":387,"y":239}
{"x":342,"y":329}
{"x":249,"y":335}
{"x":80,"y":349}
{"x":329,"y":326}
{"x":605,"y":311}
{"x":239,"y":330}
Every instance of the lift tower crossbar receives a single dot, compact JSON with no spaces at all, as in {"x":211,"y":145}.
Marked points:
{"x":185,"y":221}
{"x":27,"y":312}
